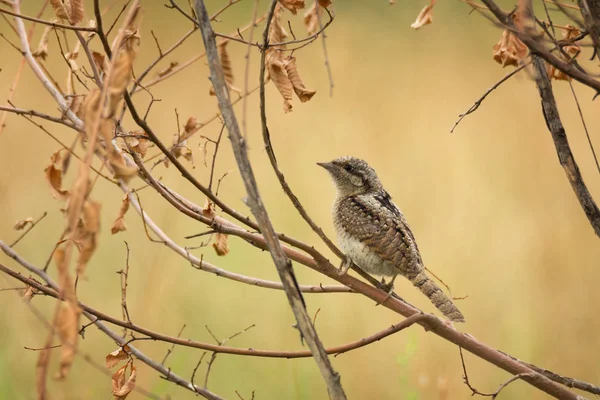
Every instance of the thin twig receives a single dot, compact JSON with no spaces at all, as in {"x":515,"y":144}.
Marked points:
{"x":29,"y":228}
{"x":170,"y":350}
{"x":587,"y":134}
{"x":477,"y":103}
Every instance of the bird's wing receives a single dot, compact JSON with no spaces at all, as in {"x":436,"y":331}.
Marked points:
{"x":378,"y":223}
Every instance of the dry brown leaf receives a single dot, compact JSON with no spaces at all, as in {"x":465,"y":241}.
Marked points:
{"x":54,"y":174}
{"x":191,"y":126}
{"x":282,"y":82}
{"x":572,"y":51}
{"x":220,"y":244}
{"x":87,"y":233}
{"x":166,"y":71}
{"x":183,"y":151}
{"x":67,"y":326}
{"x":71,"y":10}
{"x":100,"y":61}
{"x":28,"y":293}
{"x":121,"y":354}
{"x":138,"y":144}
{"x":425,"y":17}
{"x":121,"y":169}
{"x":120,"y":387}
{"x":311,"y":19}
{"x":292,"y":5}
{"x":119,"y":225}
{"x":20,"y":225}
{"x":302,"y":92}
{"x":209,"y":209}
{"x":510,"y":50}
{"x":227,"y":69}
{"x":121,"y":74}
{"x":60,"y":8}
{"x":42,"y":49}
{"x":277,"y":33}
{"x":324,"y":3}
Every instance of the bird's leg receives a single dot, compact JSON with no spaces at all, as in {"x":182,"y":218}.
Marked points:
{"x":389,"y":287}
{"x":345,"y":266}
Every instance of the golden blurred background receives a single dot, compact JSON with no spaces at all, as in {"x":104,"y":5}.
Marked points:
{"x":490,"y":206}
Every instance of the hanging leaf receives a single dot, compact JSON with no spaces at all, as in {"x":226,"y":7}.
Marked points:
{"x":425,"y":17}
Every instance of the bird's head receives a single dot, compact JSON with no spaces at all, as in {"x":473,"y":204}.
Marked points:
{"x":352,"y":176}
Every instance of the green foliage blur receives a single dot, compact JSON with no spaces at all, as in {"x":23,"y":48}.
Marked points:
{"x":490,"y":206}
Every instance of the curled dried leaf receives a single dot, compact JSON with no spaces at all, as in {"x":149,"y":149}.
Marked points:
{"x":425,"y":17}
{"x":311,"y":19}
{"x":277,"y":33}
{"x":121,"y":354}
{"x":71,"y":10}
{"x":28,"y":293}
{"x":20,"y":225}
{"x":220,"y":244}
{"x":119,"y":224}
{"x":301,"y":91}
{"x":209,"y":209}
{"x":42,"y":49}
{"x":191,"y":126}
{"x":572,"y":51}
{"x":278,"y":74}
{"x":510,"y":50}
{"x":168,"y":70}
{"x":120,"y":387}
{"x":54,"y":175}
{"x":324,"y":3}
{"x":87,"y":233}
{"x":227,"y":68}
{"x":100,"y":61}
{"x":292,"y":5}
{"x":67,"y":326}
{"x":139,"y":144}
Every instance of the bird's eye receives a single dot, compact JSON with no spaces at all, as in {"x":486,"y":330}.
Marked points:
{"x":348,"y":167}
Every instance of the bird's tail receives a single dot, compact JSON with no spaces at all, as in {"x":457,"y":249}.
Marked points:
{"x":437,"y":296}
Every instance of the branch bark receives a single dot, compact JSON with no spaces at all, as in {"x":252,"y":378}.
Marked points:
{"x":559,"y":136}
{"x":536,"y":47}
{"x":282,"y":263}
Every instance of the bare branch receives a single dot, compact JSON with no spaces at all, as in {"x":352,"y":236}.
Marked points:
{"x":565,"y":156}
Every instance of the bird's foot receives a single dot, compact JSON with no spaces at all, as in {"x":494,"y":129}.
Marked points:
{"x":389,"y":288}
{"x":345,"y":266}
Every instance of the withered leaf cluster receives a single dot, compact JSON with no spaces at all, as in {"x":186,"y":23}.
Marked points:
{"x":101,"y":105}
{"x":119,"y":224}
{"x":311,"y":17}
{"x":179,"y":147}
{"x":283,"y":70}
{"x":220,"y":244}
{"x":70,"y":10}
{"x":121,"y":384}
{"x":510,"y":50}
{"x":571,"y":50}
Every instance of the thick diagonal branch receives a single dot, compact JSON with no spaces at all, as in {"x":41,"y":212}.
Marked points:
{"x":561,"y":143}
{"x":283,"y":264}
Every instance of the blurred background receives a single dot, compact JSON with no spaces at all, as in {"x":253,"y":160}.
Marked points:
{"x":490,"y":206}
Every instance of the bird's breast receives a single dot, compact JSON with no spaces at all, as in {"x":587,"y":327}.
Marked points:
{"x":362,"y":255}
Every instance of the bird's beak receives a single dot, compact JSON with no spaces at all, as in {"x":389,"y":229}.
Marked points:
{"x":327,"y":165}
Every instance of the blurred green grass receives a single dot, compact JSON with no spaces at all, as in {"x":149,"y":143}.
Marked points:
{"x":490,"y":207}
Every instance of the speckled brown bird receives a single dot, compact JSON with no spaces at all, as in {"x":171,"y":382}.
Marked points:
{"x":374,"y":234}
